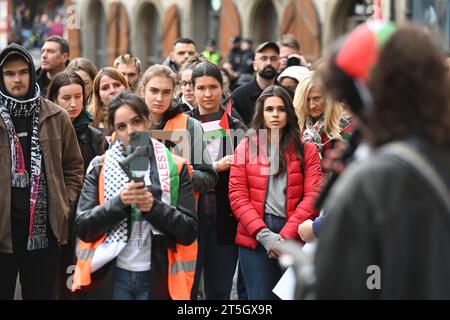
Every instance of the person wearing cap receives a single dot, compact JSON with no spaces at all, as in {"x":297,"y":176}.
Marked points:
{"x":291,"y":77}
{"x":42,"y":175}
{"x":54,"y":58}
{"x":266,"y":63}
{"x":387,"y":232}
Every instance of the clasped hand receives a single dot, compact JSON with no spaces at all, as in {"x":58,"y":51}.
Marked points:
{"x":135,"y":193}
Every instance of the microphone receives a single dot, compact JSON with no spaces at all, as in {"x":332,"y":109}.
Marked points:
{"x":353,"y":143}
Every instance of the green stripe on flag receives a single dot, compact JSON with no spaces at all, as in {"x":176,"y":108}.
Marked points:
{"x":345,"y":135}
{"x":384,"y":34}
{"x":174,"y":179}
{"x":214,"y":134}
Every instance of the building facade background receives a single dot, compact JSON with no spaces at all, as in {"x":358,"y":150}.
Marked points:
{"x":103,"y":29}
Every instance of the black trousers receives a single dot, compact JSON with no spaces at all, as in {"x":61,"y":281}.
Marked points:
{"x":217,"y":261}
{"x":37,"y":269}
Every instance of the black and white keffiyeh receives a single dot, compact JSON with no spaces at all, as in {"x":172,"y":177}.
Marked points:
{"x":20,"y":178}
{"x":115,"y":179}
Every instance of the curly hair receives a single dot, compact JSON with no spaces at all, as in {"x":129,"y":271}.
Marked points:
{"x":410,"y":88}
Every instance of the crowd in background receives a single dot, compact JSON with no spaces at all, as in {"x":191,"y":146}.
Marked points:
{"x":257,"y":129}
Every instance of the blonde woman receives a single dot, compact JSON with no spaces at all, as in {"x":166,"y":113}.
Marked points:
{"x":108,"y":83}
{"x":321,"y":119}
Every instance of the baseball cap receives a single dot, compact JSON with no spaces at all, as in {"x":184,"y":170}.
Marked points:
{"x":266,"y":45}
{"x":14,"y":53}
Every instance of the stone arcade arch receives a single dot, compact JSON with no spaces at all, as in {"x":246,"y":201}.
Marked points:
{"x":264,"y":22}
{"x":148,"y":44}
{"x":94,"y":46}
{"x":301,"y":20}
{"x":230,"y":24}
{"x":205,"y":23}
{"x":118,"y":32}
{"x":348,"y":14}
{"x":171,"y":29}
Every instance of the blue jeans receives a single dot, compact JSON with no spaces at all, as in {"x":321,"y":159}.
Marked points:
{"x":131,"y":285}
{"x":261,"y":273}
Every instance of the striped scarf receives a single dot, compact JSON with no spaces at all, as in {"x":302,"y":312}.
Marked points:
{"x":20,"y":178}
{"x":313,"y":132}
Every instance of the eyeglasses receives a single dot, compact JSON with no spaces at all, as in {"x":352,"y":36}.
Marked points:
{"x":184,"y":84}
{"x":272,"y":59}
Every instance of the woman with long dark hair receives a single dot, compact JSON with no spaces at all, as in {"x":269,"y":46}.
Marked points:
{"x":274,"y":181}
{"x":67,"y":90}
{"x":218,"y":253}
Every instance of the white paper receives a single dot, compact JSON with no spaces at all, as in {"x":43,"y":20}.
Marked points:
{"x":285,"y":287}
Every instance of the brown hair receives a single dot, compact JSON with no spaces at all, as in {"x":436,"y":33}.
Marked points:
{"x":291,"y":131}
{"x":96,"y":107}
{"x":410,"y":89}
{"x":408,"y":86}
{"x":63,"y":79}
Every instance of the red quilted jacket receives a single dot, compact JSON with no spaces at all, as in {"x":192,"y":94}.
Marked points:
{"x":248,"y":189}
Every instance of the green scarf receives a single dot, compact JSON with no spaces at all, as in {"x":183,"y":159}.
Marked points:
{"x":82,"y":121}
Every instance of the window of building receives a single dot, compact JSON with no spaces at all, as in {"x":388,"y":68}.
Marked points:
{"x":434,"y":14}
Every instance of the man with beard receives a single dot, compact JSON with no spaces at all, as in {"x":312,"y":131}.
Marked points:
{"x":266,"y":64}
{"x":41,"y":174}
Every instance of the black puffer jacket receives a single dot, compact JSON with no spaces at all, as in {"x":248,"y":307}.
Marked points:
{"x":177,"y":225}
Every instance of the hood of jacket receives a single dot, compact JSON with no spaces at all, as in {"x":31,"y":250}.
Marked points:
{"x":17,"y":50}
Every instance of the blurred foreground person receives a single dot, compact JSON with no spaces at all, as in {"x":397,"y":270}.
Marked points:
{"x":387,"y":231}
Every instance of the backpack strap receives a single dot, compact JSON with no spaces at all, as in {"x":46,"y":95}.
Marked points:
{"x":422,"y":167}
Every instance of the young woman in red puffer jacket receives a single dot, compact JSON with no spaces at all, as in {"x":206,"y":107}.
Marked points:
{"x":274,"y":182}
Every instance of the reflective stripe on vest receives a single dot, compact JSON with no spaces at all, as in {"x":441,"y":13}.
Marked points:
{"x":177,"y":123}
{"x":181,"y":260}
{"x":82,"y":275}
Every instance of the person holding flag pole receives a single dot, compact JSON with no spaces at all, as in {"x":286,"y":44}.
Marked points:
{"x":217,"y":254}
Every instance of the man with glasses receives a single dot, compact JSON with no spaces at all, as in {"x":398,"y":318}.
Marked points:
{"x":266,"y":64}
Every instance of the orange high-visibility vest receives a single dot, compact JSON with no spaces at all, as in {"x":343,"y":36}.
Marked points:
{"x":179,"y":122}
{"x":181,"y":260}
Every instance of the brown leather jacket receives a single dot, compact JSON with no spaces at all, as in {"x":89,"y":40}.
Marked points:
{"x":63,"y":165}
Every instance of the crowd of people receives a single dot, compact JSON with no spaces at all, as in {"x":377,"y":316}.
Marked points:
{"x":235,"y":152}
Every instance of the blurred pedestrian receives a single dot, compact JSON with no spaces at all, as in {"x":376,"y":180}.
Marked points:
{"x":388,"y":226}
